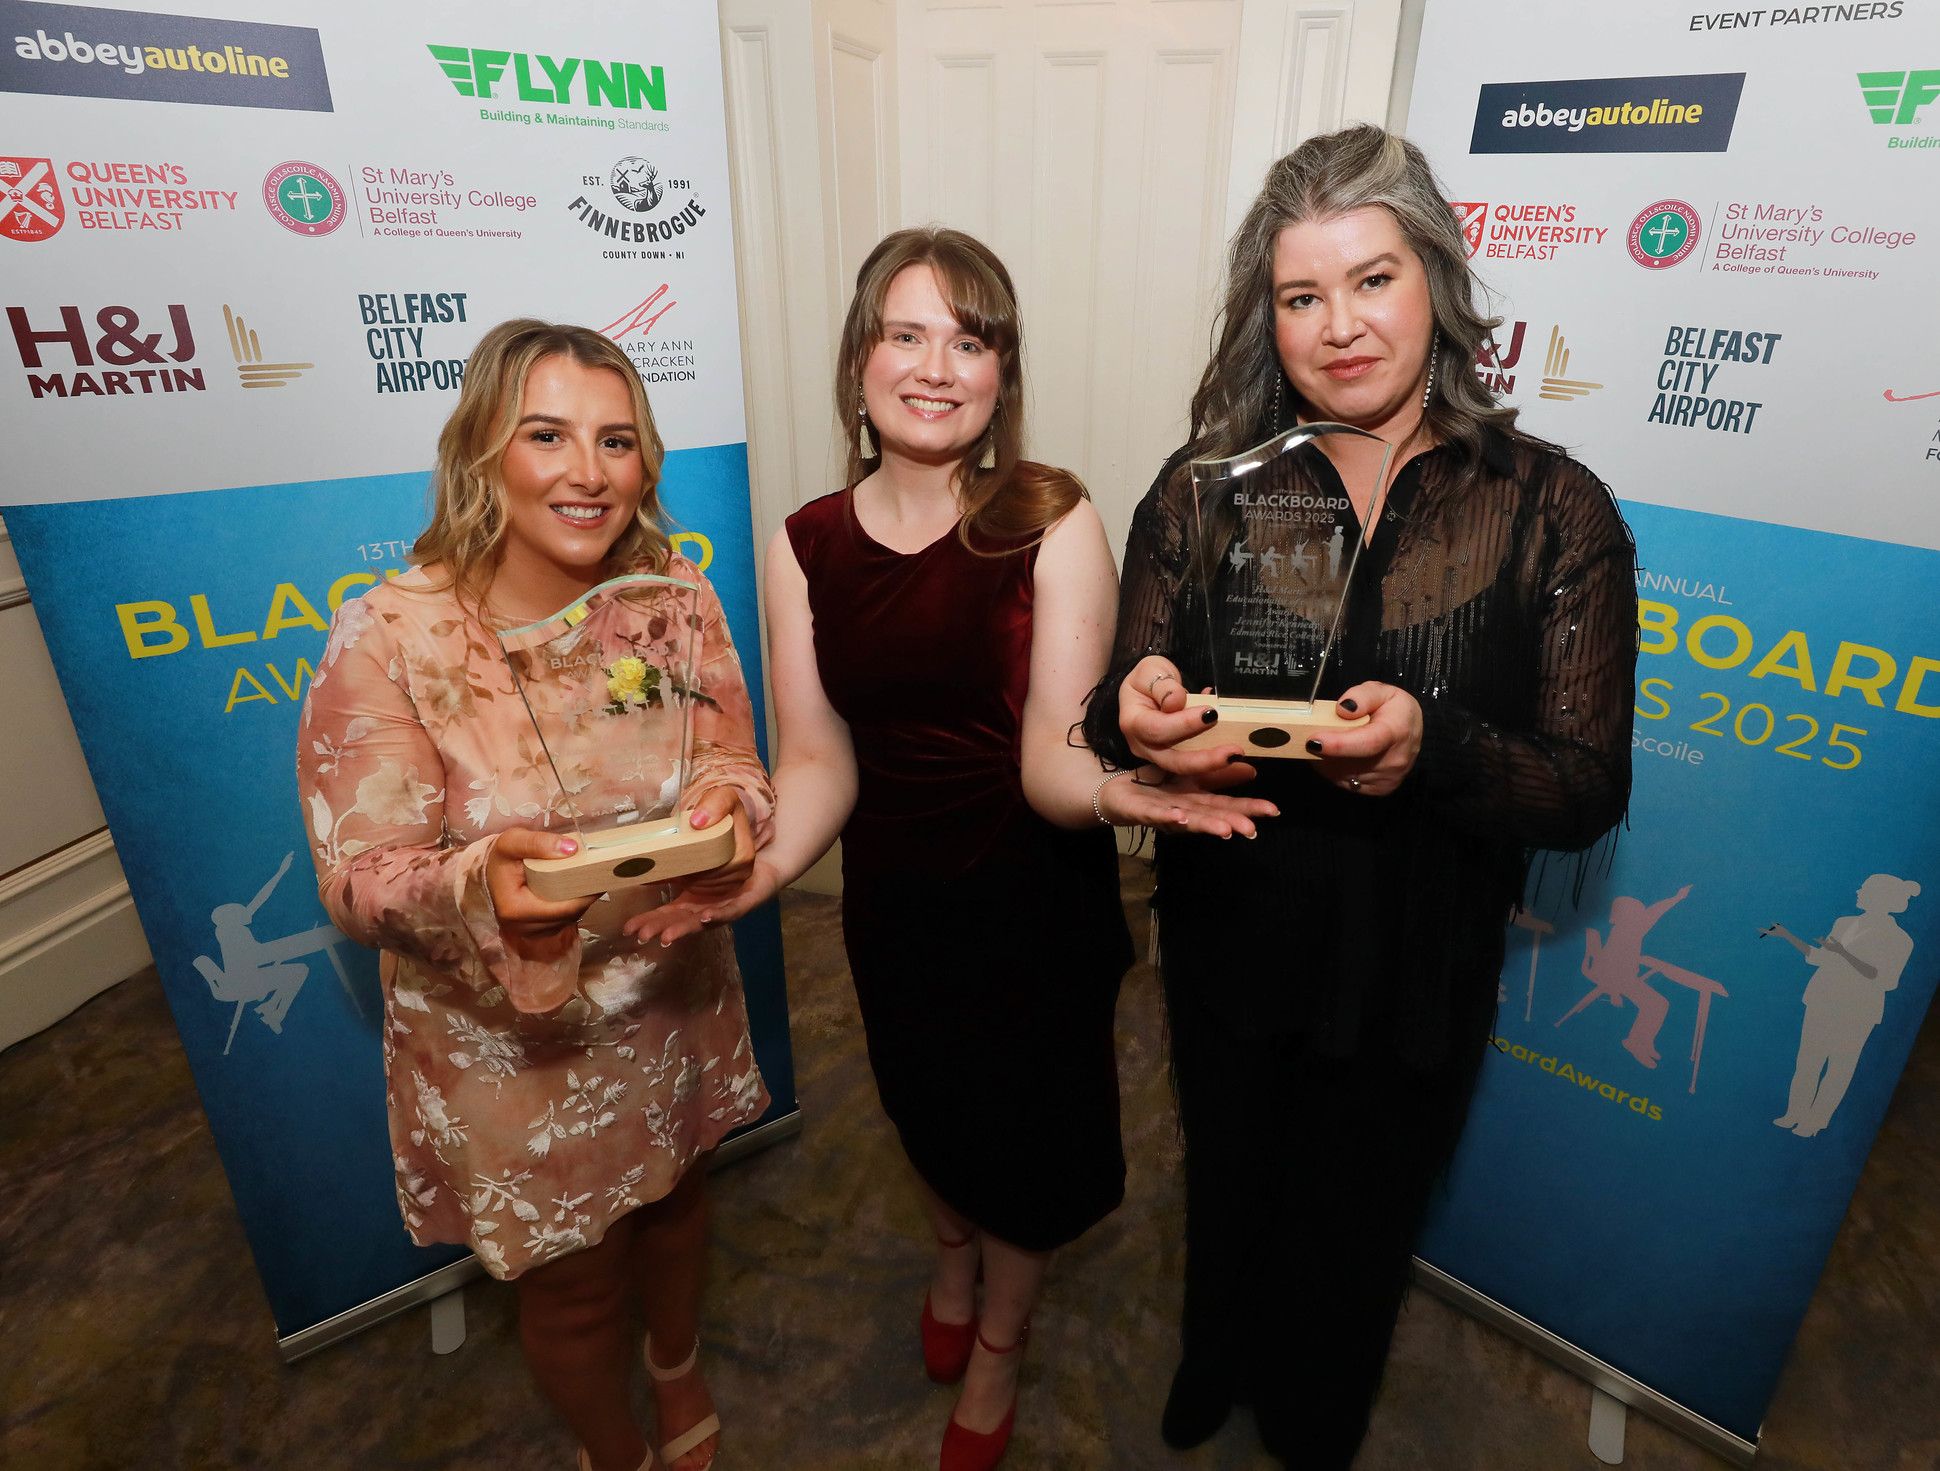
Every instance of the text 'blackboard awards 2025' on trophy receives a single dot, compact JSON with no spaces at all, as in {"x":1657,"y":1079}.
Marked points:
{"x":1274,"y":537}
{"x":610,"y":683}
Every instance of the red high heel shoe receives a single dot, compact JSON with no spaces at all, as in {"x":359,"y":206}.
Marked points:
{"x":979,"y":1450}
{"x":946,"y":1346}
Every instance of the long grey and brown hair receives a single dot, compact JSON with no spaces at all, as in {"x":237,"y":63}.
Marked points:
{"x":1324,"y":177}
{"x":466,"y":536}
{"x":1016,"y":497}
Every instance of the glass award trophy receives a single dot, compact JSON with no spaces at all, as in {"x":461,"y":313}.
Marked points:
{"x":610,"y":691}
{"x":1274,"y":538}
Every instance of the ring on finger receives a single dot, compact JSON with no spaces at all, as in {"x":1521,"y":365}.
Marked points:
{"x":1353,"y":784}
{"x":1152,"y":684}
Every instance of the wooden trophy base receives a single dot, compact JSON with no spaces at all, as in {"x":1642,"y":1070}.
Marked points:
{"x":639,"y":853}
{"x":1270,"y":728}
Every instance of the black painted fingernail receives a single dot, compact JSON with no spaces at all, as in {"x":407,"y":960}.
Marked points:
{"x":1349,"y":706}
{"x":1210,"y":716}
{"x":1313,"y":748}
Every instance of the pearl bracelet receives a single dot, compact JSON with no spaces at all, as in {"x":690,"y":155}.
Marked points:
{"x":1098,"y":811}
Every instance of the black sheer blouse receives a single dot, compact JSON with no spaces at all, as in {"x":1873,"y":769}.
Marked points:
{"x":1499,"y":590}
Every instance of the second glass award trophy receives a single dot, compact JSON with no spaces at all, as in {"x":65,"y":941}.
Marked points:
{"x":610,"y":684}
{"x":1274,"y":536}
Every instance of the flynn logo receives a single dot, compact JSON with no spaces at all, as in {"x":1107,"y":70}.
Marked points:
{"x":248,"y":353}
{"x":1895,"y":97}
{"x":574,"y":80}
{"x":1555,"y":365}
{"x":1473,"y":217}
{"x":30,"y":199}
{"x":641,"y":318}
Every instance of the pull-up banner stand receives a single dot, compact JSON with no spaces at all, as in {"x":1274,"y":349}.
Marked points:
{"x":244,"y":262}
{"x":1713,"y":234}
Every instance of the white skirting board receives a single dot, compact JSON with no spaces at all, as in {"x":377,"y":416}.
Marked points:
{"x":67,"y":932}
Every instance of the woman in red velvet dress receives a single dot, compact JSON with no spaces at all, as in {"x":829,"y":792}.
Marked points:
{"x":934,"y":629}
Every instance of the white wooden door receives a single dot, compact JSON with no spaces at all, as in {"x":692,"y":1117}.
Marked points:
{"x":1104,"y":149}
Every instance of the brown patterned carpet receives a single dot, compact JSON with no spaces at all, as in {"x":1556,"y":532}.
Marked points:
{"x":133,"y":1333}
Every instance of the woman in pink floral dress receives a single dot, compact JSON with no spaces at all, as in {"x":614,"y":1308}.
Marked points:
{"x":554,"y":1086}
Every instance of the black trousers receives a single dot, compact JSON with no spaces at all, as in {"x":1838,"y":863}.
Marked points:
{"x":1307,"y":1178}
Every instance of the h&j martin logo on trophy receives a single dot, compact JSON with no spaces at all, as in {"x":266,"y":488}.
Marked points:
{"x":610,"y":684}
{"x":1274,"y":536}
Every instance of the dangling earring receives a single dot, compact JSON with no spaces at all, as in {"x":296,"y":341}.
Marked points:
{"x":1279,"y":398}
{"x":1434,"y":352}
{"x":989,"y":459}
{"x":864,"y":441}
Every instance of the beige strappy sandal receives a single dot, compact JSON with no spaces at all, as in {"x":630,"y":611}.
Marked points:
{"x":695,"y":1434}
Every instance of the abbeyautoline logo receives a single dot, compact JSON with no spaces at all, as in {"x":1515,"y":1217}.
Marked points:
{"x":1668,"y":114}
{"x":574,"y":81}
{"x":1895,"y":98}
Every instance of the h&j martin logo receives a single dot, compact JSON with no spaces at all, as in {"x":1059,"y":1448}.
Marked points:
{"x":303,"y":198}
{"x":121,"y":360}
{"x":1663,"y":234}
{"x":248,"y":353}
{"x":1494,"y":365}
{"x":30,"y":199}
{"x":1677,"y":114}
{"x":1555,"y":364}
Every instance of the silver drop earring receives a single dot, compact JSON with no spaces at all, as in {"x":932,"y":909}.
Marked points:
{"x":1434,"y":352}
{"x":1279,"y":398}
{"x":864,"y":441}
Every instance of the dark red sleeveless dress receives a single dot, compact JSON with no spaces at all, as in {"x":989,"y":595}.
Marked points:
{"x":986,"y":944}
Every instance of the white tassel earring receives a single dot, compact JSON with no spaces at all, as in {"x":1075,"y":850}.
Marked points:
{"x":1434,"y":352}
{"x":864,"y":440}
{"x":988,"y":461}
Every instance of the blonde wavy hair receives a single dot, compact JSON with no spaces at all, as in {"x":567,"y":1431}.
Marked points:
{"x":466,"y":534}
{"x":1015,"y":497}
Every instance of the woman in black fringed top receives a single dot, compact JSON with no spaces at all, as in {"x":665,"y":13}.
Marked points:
{"x":1330,"y":988}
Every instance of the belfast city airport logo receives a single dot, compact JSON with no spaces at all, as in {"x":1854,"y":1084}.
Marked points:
{"x":637,"y":187}
{"x":30,"y":199}
{"x":303,"y":199}
{"x":86,"y":51}
{"x":1663,"y":234}
{"x":573,"y":81}
{"x":1898,"y":99}
{"x":1673,"y":114}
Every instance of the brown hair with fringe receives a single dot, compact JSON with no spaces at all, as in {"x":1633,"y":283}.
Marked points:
{"x":1016,"y":498}
{"x":466,"y":535}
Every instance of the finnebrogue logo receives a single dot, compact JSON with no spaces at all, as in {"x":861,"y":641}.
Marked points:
{"x":1664,"y":234}
{"x":1685,"y":114}
{"x":85,"y":51}
{"x":30,"y":199}
{"x":637,"y":186}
